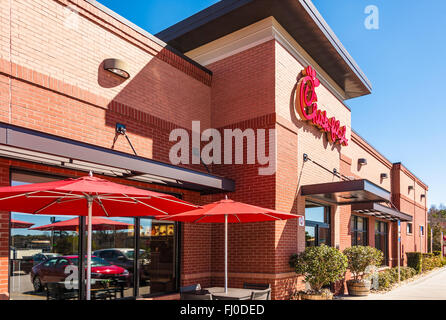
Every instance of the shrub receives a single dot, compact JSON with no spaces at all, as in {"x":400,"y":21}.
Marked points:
{"x":320,"y":265}
{"x":388,"y":277}
{"x":360,"y":257}
{"x":385,"y":280}
{"x":424,"y":262}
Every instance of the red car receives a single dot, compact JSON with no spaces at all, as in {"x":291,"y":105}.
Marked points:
{"x":53,"y":270}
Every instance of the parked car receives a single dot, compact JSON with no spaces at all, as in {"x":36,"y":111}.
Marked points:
{"x":29,"y":262}
{"x":53,"y":270}
{"x":124,"y":257}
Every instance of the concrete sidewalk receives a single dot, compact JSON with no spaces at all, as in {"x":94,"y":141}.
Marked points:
{"x":429,"y":287}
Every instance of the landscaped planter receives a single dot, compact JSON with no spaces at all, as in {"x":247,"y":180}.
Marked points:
{"x":359,"y":287}
{"x":306,"y":296}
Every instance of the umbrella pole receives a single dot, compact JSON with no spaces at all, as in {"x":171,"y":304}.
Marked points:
{"x":88,"y":295}
{"x":226,"y":253}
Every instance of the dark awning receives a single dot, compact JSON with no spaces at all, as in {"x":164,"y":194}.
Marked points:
{"x":301,"y":20}
{"x":38,"y":147}
{"x":346,"y":192}
{"x":380,"y":211}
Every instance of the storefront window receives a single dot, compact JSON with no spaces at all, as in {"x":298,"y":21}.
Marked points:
{"x":359,"y":230}
{"x":42,"y":256}
{"x":409,"y":228}
{"x":381,"y":239}
{"x":113,"y":241}
{"x":157,"y":258}
{"x":44,"y":262}
{"x":317,"y":225}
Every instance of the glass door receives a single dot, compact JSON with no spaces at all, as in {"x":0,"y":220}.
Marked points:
{"x":381,"y":241}
{"x":317,"y":225}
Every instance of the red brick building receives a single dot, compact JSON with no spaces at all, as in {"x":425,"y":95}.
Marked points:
{"x":233,"y":65}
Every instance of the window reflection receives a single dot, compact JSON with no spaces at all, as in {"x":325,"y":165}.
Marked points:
{"x":359,"y":226}
{"x":31,"y":249}
{"x":157,"y":261}
{"x":317,"y":224}
{"x":44,"y":254}
{"x":35,"y":253}
{"x":381,"y":239}
{"x":310,"y":234}
{"x":113,"y":242}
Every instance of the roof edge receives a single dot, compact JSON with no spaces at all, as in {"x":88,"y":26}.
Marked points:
{"x":145,"y":33}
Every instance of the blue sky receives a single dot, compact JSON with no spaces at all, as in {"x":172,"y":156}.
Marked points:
{"x":404,"y":116}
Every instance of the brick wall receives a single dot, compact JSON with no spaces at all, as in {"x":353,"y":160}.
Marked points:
{"x":411,"y":203}
{"x":60,"y":87}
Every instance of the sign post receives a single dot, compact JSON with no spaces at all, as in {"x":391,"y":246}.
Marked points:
{"x":421,"y":249}
{"x":432,"y":236}
{"x":399,"y":251}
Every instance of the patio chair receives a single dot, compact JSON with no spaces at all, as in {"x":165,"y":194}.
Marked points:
{"x":261,"y":295}
{"x":194,"y":292}
{"x":57,"y":291}
{"x":192,"y":287}
{"x":256,"y":286}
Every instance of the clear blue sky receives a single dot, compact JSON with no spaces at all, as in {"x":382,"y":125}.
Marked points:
{"x":404,"y":117}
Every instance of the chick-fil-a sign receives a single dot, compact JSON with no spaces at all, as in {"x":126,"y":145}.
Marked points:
{"x":306,"y":106}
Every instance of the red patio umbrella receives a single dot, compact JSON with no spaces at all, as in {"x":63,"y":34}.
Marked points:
{"x":98,"y":223}
{"x":17,"y":224}
{"x":229,"y":211}
{"x":88,"y":196}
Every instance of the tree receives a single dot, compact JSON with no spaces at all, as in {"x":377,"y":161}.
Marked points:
{"x":437,"y":222}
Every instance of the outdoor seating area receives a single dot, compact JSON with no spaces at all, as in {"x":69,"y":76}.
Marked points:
{"x":249,"y":292}
{"x":114,"y":267}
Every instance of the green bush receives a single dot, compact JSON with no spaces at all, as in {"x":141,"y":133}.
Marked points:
{"x":360,"y":257}
{"x":425,"y":261}
{"x":385,"y":279}
{"x":320,"y":265}
{"x":437,"y":252}
{"x":388,"y":277}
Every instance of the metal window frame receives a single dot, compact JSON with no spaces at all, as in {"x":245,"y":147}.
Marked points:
{"x":318,"y":224}
{"x":355,"y":230}
{"x":384,"y":233}
{"x":82,"y":241}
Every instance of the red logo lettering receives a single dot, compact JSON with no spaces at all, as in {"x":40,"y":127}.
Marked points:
{"x":306,"y":106}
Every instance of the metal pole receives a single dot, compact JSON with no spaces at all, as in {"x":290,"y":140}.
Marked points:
{"x":432,"y":236}
{"x":90,"y":203}
{"x":399,"y":251}
{"x":136,"y":266}
{"x":81,"y":266}
{"x":421,"y":249}
{"x":226,"y":253}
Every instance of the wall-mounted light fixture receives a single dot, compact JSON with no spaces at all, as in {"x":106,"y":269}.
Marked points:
{"x":410,"y":188}
{"x":117,"y":67}
{"x":384,"y":176}
{"x":362,"y":161}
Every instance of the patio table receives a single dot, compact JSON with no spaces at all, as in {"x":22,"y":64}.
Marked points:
{"x":233,"y":293}
{"x":97,"y":288}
